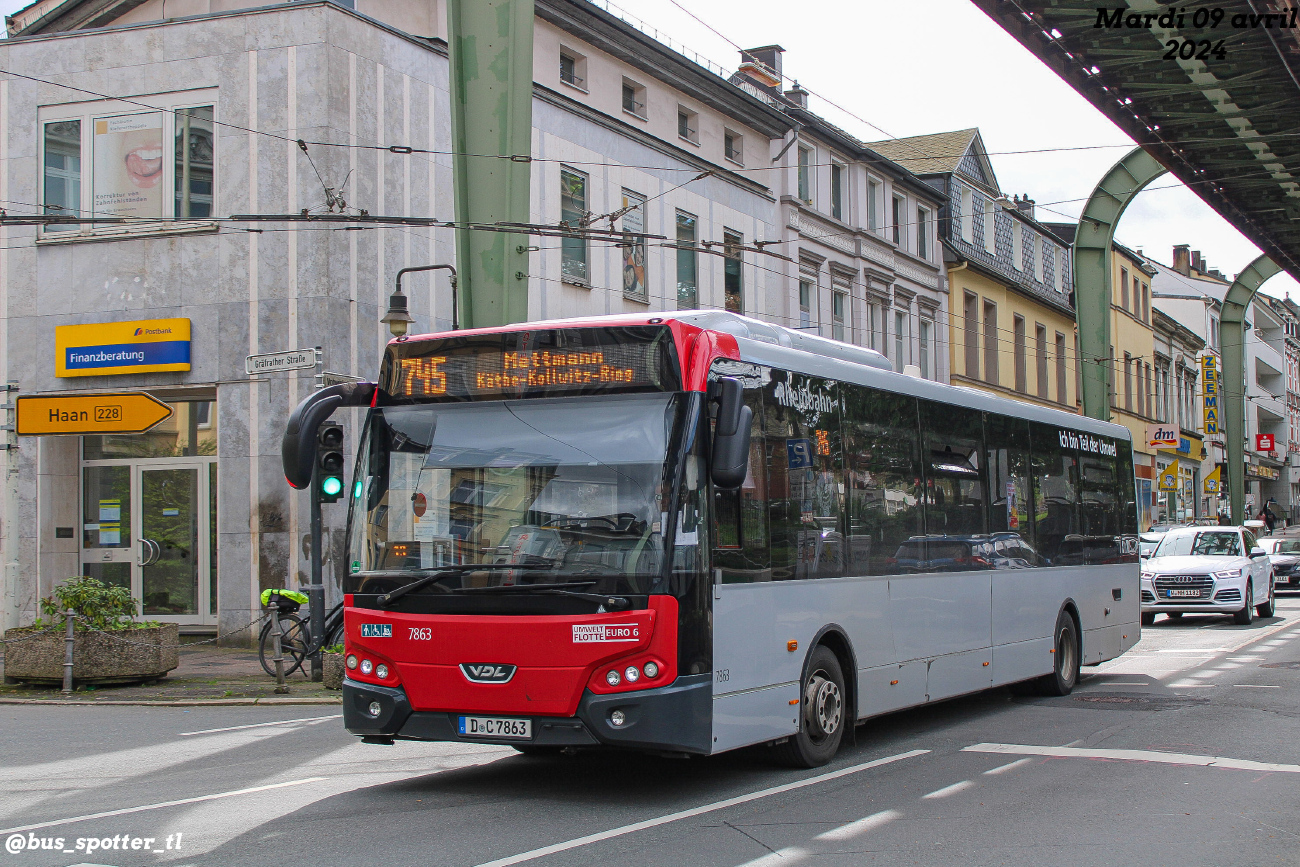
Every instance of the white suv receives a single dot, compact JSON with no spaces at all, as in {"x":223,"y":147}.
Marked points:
{"x":1220,"y":570}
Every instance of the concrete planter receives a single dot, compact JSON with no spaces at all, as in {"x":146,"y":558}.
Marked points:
{"x":332,"y":670}
{"x":96,"y":657}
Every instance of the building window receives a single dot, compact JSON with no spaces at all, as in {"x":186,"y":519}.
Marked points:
{"x":731,"y":244}
{"x":837,"y":191}
{"x":1128,"y":382}
{"x":923,"y":233}
{"x":990,"y":226}
{"x":873,"y":205}
{"x":805,"y":175}
{"x":990,"y":342}
{"x":136,"y":176}
{"x":1037,"y":248}
{"x":634,"y":246}
{"x":901,"y":342}
{"x":972,"y":334}
{"x":967,"y":215}
{"x":1018,"y":335}
{"x":61,"y":194}
{"x":733,"y":147}
{"x":687,"y":261}
{"x":924,"y":329}
{"x":688,"y":125}
{"x":837,"y":315}
{"x":1058,"y":269}
{"x":1214,"y":332}
{"x":1040,"y":359}
{"x":1146,"y":303}
{"x":633,"y":99}
{"x":1123,"y":288}
{"x":805,"y":304}
{"x":896,"y":217}
{"x":573,"y":210}
{"x":573,"y":69}
{"x":875,"y":326}
{"x":1146,"y":391}
{"x":1061,"y":381}
{"x":1017,"y":246}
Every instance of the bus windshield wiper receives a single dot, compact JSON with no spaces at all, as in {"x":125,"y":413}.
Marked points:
{"x":611,"y":603}
{"x":444,"y":571}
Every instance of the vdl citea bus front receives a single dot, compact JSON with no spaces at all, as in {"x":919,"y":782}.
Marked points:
{"x":693,"y":532}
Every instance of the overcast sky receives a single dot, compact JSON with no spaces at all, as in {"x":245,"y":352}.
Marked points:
{"x":910,"y":68}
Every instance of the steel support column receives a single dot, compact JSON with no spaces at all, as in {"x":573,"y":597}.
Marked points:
{"x":1092,"y":289}
{"x":1232,"y":376}
{"x":491,"y":50}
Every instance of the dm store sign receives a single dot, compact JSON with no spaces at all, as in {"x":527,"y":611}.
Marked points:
{"x":142,"y":346}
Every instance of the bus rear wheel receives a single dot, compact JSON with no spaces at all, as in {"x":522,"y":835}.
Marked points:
{"x":822,"y":709}
{"x":1065,"y":658}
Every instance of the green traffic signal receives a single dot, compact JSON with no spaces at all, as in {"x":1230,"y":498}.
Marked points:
{"x":331,"y":486}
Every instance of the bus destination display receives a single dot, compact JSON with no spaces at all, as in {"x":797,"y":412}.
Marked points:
{"x":466,"y":368}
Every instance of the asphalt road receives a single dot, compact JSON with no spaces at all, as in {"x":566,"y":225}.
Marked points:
{"x":1186,"y":751}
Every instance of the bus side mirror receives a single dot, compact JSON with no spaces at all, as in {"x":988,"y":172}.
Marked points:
{"x":730,"y":463}
{"x":298,"y":446}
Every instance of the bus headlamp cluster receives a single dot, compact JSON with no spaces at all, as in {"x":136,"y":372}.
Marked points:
{"x":649,"y":670}
{"x":366,"y":666}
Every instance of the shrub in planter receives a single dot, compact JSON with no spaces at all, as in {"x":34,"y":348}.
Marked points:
{"x":109,"y":646}
{"x":332,"y":667}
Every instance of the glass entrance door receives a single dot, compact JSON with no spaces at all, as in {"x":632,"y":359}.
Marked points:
{"x":149,"y":526}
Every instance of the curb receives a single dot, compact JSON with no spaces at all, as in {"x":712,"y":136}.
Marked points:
{"x":183,"y":702}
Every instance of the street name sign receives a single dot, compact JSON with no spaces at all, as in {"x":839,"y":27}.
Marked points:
{"x":121,"y":413}
{"x":328,"y":379}
{"x":279,"y":362}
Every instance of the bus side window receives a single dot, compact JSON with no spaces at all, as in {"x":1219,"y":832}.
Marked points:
{"x":952,"y":455}
{"x":882,"y":456}
{"x":740,"y":537}
{"x":1056,"y":498}
{"x":805,"y":476}
{"x":1007,"y":442}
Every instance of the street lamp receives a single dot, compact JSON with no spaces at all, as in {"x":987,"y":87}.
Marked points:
{"x":398,"y":317}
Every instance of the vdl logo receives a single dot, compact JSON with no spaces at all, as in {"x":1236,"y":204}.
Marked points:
{"x":487,"y":672}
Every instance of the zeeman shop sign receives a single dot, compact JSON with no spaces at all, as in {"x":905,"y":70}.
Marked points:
{"x":142,"y":346}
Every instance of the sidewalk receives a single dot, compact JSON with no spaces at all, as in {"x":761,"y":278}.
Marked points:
{"x":206,"y":675}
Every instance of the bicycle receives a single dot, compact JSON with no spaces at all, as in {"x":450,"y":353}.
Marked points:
{"x":296,"y":644}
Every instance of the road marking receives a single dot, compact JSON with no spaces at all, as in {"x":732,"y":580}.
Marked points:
{"x":1002,"y":769}
{"x":1255,"y":686}
{"x":127,"y":810}
{"x":283,"y":722}
{"x":859,"y":827}
{"x":949,"y":790}
{"x":577,"y":842}
{"x":1134,"y":756}
{"x":788,"y":855}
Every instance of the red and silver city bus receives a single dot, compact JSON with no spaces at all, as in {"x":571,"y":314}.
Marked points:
{"x":691,"y":532}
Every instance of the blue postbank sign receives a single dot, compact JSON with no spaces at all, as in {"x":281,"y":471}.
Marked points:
{"x":139,"y":346}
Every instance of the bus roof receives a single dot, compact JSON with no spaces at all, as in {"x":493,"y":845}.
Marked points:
{"x":775,"y":345}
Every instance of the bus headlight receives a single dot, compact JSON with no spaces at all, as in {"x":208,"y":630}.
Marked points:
{"x":617,"y":718}
{"x":651,"y":670}
{"x":632,"y":674}
{"x":381,"y":671}
{"x":613,"y":678}
{"x":366,"y":666}
{"x":352,"y":662}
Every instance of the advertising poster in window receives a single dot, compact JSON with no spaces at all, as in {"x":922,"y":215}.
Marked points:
{"x":128,"y":152}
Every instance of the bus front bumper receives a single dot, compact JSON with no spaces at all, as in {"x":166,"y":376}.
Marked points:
{"x":676,"y":718}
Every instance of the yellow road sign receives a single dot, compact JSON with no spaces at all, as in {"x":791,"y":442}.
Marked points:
{"x":121,"y":413}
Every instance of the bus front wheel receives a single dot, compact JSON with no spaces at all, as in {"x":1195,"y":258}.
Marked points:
{"x":822,"y":709}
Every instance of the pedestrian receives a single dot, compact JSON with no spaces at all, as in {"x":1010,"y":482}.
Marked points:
{"x":1266,"y":515}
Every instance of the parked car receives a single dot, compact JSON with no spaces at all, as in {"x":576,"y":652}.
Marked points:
{"x":1221,"y":570}
{"x":1285,"y":556}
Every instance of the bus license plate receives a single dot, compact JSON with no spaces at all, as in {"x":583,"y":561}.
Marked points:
{"x":1173,"y":593}
{"x":496,"y":727}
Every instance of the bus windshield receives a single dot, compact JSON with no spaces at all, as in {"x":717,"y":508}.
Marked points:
{"x":560,"y":491}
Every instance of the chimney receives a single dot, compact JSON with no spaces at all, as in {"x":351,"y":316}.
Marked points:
{"x":1182,"y":262}
{"x":1025,"y":205}
{"x":1197,"y":264}
{"x":763,"y":66}
{"x":797,"y":95}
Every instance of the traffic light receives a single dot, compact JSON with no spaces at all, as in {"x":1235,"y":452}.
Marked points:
{"x":329,"y":462}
